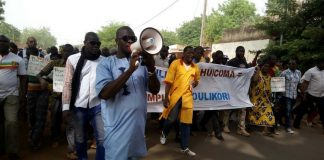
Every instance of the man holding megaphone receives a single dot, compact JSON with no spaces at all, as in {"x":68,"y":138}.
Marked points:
{"x":122,"y":83}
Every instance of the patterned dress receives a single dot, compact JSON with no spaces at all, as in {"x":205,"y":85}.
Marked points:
{"x":261,"y":114}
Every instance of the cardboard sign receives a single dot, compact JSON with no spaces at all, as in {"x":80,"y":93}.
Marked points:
{"x":35,"y":65}
{"x":58,"y":79}
{"x":278,"y":84}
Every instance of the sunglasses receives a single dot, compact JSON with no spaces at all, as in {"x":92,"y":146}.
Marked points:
{"x":127,"y":38}
{"x":95,"y":43}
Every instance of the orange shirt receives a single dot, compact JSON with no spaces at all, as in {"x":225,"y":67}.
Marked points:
{"x":180,"y":80}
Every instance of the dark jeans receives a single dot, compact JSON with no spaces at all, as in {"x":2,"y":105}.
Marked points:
{"x":84,"y":116}
{"x":309,"y":103}
{"x":37,"y":105}
{"x":289,"y":103}
{"x":56,"y":118}
{"x":213,"y":115}
{"x":184,"y":128}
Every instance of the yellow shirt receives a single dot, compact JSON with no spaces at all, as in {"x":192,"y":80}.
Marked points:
{"x":180,"y":80}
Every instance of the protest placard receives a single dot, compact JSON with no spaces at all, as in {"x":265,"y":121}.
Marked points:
{"x":35,"y":65}
{"x":277,"y":84}
{"x":58,"y":79}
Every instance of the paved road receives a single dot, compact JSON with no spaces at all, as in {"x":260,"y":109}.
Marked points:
{"x":307,"y":143}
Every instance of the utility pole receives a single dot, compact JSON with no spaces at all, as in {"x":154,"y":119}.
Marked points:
{"x":203,"y":21}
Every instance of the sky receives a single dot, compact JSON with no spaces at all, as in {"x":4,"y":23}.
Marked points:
{"x":69,"y":20}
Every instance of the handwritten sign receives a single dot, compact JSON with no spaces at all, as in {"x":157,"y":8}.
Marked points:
{"x":278,"y":84}
{"x":35,"y":65}
{"x":58,"y":79}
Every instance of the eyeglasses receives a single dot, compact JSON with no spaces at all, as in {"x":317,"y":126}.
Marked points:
{"x":95,"y":43}
{"x":127,"y":38}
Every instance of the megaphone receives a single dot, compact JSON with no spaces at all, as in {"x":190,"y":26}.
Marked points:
{"x":150,"y":41}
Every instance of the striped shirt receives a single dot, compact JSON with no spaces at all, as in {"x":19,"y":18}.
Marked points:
{"x":291,"y":83}
{"x":11,"y":66}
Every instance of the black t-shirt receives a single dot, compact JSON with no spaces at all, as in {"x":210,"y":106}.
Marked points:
{"x":236,"y":62}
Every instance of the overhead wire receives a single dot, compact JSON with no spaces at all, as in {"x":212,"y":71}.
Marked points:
{"x":169,"y":6}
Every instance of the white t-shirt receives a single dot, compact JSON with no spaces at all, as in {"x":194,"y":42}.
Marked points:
{"x":315,"y":77}
{"x":11,"y":66}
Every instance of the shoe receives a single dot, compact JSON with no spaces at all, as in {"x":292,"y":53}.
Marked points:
{"x":276,"y":132}
{"x":163,"y":138}
{"x":309,"y":124}
{"x":188,"y":152}
{"x":226,"y":129}
{"x":243,"y":132}
{"x":71,"y":155}
{"x":219,"y":137}
{"x":93,"y":146}
{"x":290,"y":131}
{"x":13,"y":156}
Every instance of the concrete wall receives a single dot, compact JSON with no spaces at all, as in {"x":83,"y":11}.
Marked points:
{"x":229,"y":48}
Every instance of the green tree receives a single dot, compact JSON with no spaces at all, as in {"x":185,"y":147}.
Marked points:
{"x":2,"y":3}
{"x":43,"y":36}
{"x":231,"y":14}
{"x":10,"y":31}
{"x":189,"y":32}
{"x":301,"y":28}
{"x":169,"y":37}
{"x":107,"y":34}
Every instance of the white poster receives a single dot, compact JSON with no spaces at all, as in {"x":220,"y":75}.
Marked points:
{"x":220,"y":87}
{"x":35,"y":65}
{"x":58,"y":79}
{"x":278,"y":84}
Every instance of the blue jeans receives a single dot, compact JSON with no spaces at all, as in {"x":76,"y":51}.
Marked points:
{"x":184,"y":128}
{"x":84,"y":116}
{"x":288,"y":108}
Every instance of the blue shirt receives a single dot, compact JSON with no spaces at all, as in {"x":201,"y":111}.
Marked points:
{"x":124,"y":115}
{"x":291,"y":83}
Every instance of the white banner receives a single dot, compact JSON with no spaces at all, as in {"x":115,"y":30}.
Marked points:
{"x":58,"y":79}
{"x":220,"y":87}
{"x":35,"y":65}
{"x":278,"y":84}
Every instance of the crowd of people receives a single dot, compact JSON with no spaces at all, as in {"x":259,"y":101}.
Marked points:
{"x":104,"y":96}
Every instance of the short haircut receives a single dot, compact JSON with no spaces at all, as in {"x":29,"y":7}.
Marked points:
{"x":13,"y":45}
{"x":188,"y":48}
{"x":31,"y":37}
{"x":121,"y":29}
{"x":238,"y":48}
{"x":4,"y":38}
{"x":199,"y":49}
{"x":86,"y":37}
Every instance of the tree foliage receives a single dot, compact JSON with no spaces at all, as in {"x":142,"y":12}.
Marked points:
{"x":10,"y":31}
{"x":107,"y":34}
{"x":2,"y":3}
{"x":302,"y":29}
{"x":169,"y":37}
{"x":231,"y":14}
{"x":189,"y":32}
{"x":43,"y":36}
